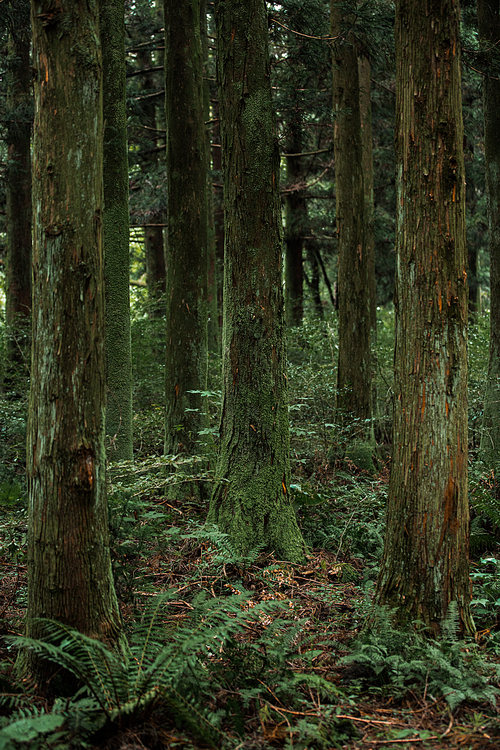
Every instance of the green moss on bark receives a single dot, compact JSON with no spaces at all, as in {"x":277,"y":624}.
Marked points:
{"x":252,"y":501}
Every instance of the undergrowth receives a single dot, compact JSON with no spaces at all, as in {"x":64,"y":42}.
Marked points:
{"x":247,"y":651}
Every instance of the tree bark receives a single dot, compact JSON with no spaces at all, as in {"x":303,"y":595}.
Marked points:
{"x":187,"y":229}
{"x":116,"y":234}
{"x":295,"y":221}
{"x":18,"y":200}
{"x":154,"y":245}
{"x":69,"y":567}
{"x":425,"y":562}
{"x":365,"y":111}
{"x":354,"y":381}
{"x":489,"y":35}
{"x":252,"y":502}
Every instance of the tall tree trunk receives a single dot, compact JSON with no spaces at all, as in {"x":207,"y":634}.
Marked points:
{"x":216,"y":270}
{"x":425,"y":563}
{"x":252,"y":504}
{"x":213,"y":326}
{"x":18,"y":195}
{"x":354,"y":381}
{"x":489,"y":34}
{"x":154,"y":245}
{"x":313,"y":282}
{"x":69,"y":567}
{"x":187,"y":244}
{"x":116,"y":233}
{"x":365,"y":111}
{"x":295,"y":220}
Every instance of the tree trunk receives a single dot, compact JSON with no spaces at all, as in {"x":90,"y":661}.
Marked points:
{"x":365,"y":111}
{"x":295,"y":220}
{"x":425,"y":563}
{"x":252,"y":502}
{"x":116,"y":234}
{"x":489,"y":35}
{"x":313,"y":282}
{"x":187,"y":244}
{"x":354,"y":381}
{"x":69,"y":567}
{"x":18,"y":199}
{"x":154,"y":245}
{"x":216,"y":268}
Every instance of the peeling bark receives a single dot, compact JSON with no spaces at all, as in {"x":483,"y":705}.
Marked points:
{"x":69,"y":567}
{"x":425,"y":563}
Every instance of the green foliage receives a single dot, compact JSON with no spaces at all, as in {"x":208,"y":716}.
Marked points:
{"x":162,"y":663}
{"x":36,"y":731}
{"x":484,"y":498}
{"x":178,"y":664}
{"x":486,"y":597}
{"x":396,"y":660}
{"x":348,"y":518}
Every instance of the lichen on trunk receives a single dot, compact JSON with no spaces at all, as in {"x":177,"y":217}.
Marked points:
{"x":69,"y":566}
{"x":252,"y":499}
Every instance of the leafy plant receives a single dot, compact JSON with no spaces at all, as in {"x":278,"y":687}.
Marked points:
{"x":396,"y":660}
{"x":486,"y":602}
{"x":162,"y":663}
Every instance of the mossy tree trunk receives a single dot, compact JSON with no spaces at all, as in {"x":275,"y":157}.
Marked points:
{"x":116,"y":234}
{"x":425,"y":562}
{"x":252,"y":502}
{"x":489,"y":34}
{"x":69,"y":567}
{"x":187,"y":229}
{"x":18,"y":197}
{"x":354,"y":379}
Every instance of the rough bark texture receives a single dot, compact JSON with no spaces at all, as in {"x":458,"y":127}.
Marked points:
{"x":216,"y":264}
{"x":354,"y":382}
{"x":252,"y":503}
{"x":18,"y":199}
{"x":69,"y":568}
{"x":187,"y":244}
{"x":214,"y":328}
{"x":154,"y":245}
{"x":116,"y":234}
{"x":295,"y":220}
{"x":425,"y":562}
{"x":489,"y":33}
{"x":365,"y":111}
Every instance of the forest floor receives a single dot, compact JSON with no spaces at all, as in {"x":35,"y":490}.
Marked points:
{"x":282,"y":680}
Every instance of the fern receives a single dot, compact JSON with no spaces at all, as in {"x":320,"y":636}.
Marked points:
{"x":157,"y":665}
{"x":406,"y":658}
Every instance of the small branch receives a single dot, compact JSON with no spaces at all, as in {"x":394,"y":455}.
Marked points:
{"x":308,"y":153}
{"x":308,"y":36}
{"x":144,"y":71}
{"x":307,"y":185}
{"x":154,"y":95}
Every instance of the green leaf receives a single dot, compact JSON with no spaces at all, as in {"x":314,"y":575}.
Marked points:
{"x":28,"y":729}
